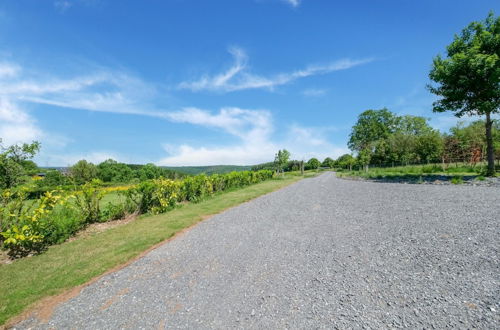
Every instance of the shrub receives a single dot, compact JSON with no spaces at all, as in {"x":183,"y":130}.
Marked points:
{"x":65,"y":221}
{"x":155,"y":196}
{"x":88,"y":201}
{"x":23,"y":223}
{"x":457,"y":180}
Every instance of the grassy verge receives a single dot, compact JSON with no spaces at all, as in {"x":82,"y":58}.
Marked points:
{"x":70,"y":264}
{"x":417,"y":174}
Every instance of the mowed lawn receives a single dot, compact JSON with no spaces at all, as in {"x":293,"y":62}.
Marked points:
{"x":70,"y":264}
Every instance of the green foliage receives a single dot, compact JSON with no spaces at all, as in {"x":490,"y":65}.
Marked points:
{"x":328,"y":162}
{"x":281,"y":160}
{"x":364,"y":157}
{"x":53,"y":178}
{"x":457,"y":180}
{"x":112,"y":171}
{"x":346,"y":161}
{"x":468,"y":79}
{"x":23,"y":223}
{"x":197,"y":187}
{"x":29,"y":226}
{"x":83,"y":172}
{"x":372,"y":125}
{"x":88,"y":201}
{"x":313,"y":164}
{"x":15,"y":164}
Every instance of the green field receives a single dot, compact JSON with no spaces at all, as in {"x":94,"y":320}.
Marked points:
{"x":64,"y":266}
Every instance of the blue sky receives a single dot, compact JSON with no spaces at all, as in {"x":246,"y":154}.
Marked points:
{"x":184,"y":82}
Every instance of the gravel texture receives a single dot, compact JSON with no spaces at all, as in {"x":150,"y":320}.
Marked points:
{"x":321,"y":253}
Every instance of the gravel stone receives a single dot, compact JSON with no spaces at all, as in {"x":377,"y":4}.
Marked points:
{"x":321,"y":253}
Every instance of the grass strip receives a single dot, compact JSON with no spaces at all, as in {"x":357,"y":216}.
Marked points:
{"x":70,"y":264}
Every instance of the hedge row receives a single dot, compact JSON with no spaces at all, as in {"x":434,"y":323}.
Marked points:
{"x":30,"y":226}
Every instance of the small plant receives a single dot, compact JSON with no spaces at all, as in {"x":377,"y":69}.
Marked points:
{"x":480,"y":178}
{"x":457,"y":180}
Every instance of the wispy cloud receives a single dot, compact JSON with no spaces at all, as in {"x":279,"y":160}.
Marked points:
{"x":238,"y":77}
{"x":102,"y":90}
{"x":314,"y":92}
{"x":250,"y":131}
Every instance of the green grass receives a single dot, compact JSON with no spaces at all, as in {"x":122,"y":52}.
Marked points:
{"x":70,"y":264}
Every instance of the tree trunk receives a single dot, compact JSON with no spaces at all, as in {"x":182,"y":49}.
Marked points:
{"x":489,"y":147}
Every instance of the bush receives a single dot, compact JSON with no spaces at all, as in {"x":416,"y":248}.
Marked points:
{"x":23,"y":223}
{"x":88,"y":201}
{"x":155,"y":196}
{"x":65,"y":221}
{"x":29,"y":226}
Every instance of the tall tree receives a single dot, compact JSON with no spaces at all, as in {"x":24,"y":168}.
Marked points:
{"x":281,"y":159}
{"x":468,"y":79}
{"x":313,"y":163}
{"x":372,"y":125}
{"x":83,"y":171}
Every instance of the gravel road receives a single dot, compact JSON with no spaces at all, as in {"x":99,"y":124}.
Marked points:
{"x":321,"y":253}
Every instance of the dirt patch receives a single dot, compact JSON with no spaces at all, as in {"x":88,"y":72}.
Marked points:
{"x":103,"y":226}
{"x":4,"y":258}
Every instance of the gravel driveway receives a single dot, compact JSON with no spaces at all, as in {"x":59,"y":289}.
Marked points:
{"x":321,"y":253}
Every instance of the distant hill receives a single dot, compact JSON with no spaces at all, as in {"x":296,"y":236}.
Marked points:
{"x":215,"y":169}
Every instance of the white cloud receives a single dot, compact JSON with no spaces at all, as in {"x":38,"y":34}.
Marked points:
{"x":245,"y":124}
{"x":245,"y":154}
{"x":307,"y":142}
{"x":238,"y":78}
{"x":8,"y":70}
{"x":252,"y":143}
{"x":314,"y":92}
{"x":250,"y":128}
{"x":293,"y":3}
{"x":16,"y":126}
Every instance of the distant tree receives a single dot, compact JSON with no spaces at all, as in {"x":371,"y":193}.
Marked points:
{"x":54,"y":178}
{"x":16,"y":164}
{"x":313,"y":163}
{"x":372,"y":125}
{"x":468,"y":79}
{"x":346,"y":161}
{"x":281,"y":159}
{"x":112,"y":171}
{"x":83,"y":172}
{"x":150,"y":171}
{"x":328,"y":162}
